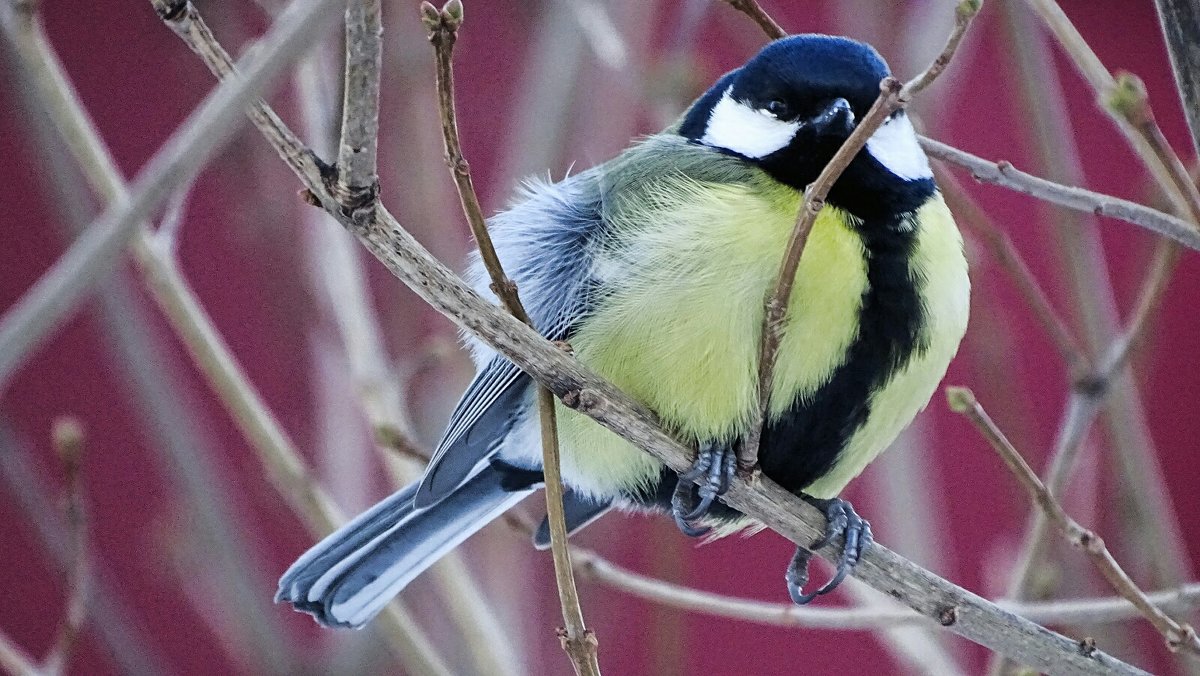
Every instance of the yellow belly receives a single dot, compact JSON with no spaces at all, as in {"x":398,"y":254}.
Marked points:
{"x":681,"y":332}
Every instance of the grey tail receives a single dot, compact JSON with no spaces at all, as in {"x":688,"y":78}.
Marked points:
{"x":347,"y":578}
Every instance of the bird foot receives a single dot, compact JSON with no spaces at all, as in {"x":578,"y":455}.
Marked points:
{"x":716,"y":463}
{"x":841,"y":519}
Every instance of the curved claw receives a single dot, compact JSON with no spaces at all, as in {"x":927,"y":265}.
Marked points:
{"x":717,"y":464}
{"x":680,"y":510}
{"x":706,"y":500}
{"x":841,"y":519}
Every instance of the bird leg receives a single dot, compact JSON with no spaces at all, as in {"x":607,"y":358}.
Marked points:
{"x":716,"y":463}
{"x":840,"y":519}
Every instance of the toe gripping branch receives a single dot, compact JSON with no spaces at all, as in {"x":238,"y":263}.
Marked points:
{"x":716,"y":463}
{"x":840,"y":519}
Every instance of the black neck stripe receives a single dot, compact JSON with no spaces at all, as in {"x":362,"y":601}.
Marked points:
{"x":805,"y":443}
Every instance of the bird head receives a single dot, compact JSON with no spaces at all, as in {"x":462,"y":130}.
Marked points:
{"x":789,"y":109}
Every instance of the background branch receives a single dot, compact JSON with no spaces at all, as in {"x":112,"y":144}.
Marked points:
{"x":1178,"y":636}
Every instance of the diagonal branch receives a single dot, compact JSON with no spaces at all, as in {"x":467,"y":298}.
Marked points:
{"x":1004,"y":174}
{"x":1178,"y":636}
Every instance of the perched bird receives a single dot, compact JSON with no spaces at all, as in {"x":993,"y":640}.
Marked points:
{"x":655,"y":267}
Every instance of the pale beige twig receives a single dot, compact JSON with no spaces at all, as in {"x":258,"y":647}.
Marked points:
{"x":1126,"y":103}
{"x":341,"y":278}
{"x":1178,"y":636}
{"x":594,"y":567}
{"x":579,"y":642}
{"x":68,"y":436}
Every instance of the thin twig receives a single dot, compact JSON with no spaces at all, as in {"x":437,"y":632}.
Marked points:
{"x":932,"y":596}
{"x":751,"y":9}
{"x":1004,"y":174}
{"x":594,"y":567}
{"x":1124,"y":98}
{"x":777,"y":303}
{"x":1178,"y":636}
{"x":892,"y":97}
{"x":1127,"y":106}
{"x":1010,"y":258}
{"x":341,"y":279}
{"x":68,"y":442}
{"x":68,"y":438}
{"x":578,"y":641}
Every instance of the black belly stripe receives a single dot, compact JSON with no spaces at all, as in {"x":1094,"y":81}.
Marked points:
{"x":805,"y":442}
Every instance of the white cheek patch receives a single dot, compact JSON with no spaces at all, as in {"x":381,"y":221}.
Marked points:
{"x":752,"y":133}
{"x":894,"y":145}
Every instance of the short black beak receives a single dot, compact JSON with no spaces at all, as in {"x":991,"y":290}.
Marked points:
{"x":837,"y":119}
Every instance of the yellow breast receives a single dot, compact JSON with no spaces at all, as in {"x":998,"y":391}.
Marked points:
{"x":680,"y":331}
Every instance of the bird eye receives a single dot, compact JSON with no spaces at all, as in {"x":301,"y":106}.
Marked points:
{"x":779,"y":108}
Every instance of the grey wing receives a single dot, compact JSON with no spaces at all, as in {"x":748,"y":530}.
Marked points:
{"x":545,"y":245}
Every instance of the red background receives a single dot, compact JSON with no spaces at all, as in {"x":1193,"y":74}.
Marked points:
{"x":240,"y":250}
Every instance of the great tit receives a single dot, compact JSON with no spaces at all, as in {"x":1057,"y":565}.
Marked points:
{"x":654,"y":266}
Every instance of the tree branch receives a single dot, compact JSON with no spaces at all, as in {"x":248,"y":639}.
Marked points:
{"x":1010,"y":258}
{"x":1178,"y":636}
{"x":892,"y":97}
{"x":1003,"y":173}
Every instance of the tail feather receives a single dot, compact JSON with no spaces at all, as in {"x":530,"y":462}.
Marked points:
{"x":348,"y":577}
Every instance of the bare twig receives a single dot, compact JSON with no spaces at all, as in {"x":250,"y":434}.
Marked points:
{"x":1124,"y":99}
{"x":357,"y":182}
{"x":1134,"y":448}
{"x":751,"y":9}
{"x":1095,"y":610}
{"x":1178,"y":636}
{"x":777,"y":303}
{"x":341,"y":279}
{"x":179,"y":159}
{"x":578,"y":641}
{"x":892,"y":97}
{"x":68,"y":441}
{"x":930,"y":595}
{"x":1004,"y":174}
{"x":1014,"y":263}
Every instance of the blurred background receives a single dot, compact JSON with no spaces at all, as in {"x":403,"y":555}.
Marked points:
{"x":186,"y":532}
